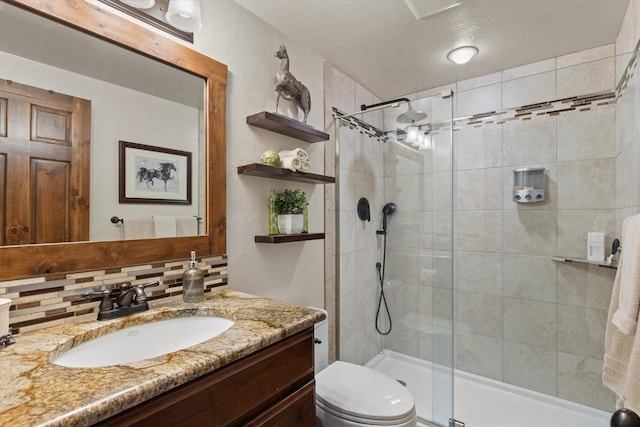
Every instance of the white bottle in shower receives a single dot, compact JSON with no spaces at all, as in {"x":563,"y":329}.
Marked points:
{"x":595,"y":246}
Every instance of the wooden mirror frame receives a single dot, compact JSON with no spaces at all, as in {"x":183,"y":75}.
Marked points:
{"x":42,"y":259}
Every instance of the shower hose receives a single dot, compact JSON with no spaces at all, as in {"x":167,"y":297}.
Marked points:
{"x":382,"y":299}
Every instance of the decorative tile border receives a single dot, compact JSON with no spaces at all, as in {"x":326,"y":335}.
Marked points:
{"x":358,"y":125}
{"x":525,"y":112}
{"x":41,"y":302}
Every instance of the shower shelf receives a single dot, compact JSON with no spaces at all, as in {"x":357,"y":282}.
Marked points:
{"x":613,"y":265}
{"x":286,"y":238}
{"x":266,"y":171}
{"x":286,"y":126}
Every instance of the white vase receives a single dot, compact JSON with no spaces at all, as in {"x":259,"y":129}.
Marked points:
{"x":290,"y":224}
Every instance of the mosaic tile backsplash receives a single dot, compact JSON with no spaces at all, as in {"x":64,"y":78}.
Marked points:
{"x":41,"y":302}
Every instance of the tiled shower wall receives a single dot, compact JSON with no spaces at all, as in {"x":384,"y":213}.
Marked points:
{"x":627,"y":120}
{"x":40,"y":302}
{"x":520,"y":317}
{"x":359,"y":170}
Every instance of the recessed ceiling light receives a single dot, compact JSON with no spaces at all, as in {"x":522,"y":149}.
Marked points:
{"x":462,"y":55}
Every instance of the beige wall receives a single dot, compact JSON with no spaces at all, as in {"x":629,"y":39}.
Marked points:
{"x":292,"y":272}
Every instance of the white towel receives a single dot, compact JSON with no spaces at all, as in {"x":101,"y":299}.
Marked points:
{"x":291,"y":163}
{"x":298,"y":152}
{"x":164,"y":226}
{"x":137,"y":228}
{"x":186,"y":226}
{"x":305,"y":166}
{"x":621,"y":367}
{"x":626,"y":316}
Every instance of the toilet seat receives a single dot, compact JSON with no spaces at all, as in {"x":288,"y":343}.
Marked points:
{"x":362,"y":395}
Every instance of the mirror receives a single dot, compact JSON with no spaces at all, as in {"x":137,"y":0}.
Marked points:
{"x":127,"y":96}
{"x":176,"y":92}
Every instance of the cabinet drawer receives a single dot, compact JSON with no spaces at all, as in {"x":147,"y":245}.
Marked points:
{"x":297,"y":410}
{"x":233,"y":395}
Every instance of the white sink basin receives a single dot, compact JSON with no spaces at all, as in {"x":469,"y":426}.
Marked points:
{"x":143,"y":341}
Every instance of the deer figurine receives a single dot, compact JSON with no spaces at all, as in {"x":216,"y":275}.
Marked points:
{"x":288,"y":87}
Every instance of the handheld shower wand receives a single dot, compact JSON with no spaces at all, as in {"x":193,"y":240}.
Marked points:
{"x":388,"y":209}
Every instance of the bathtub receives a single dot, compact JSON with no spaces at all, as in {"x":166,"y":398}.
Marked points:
{"x":483,"y":402}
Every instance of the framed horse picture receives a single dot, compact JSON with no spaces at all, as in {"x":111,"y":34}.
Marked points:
{"x":151,"y":174}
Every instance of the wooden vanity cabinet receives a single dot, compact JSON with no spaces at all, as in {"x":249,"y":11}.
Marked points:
{"x":273,"y":387}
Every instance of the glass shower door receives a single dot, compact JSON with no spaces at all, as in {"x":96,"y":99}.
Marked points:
{"x":441,"y":216}
{"x":419,"y":180}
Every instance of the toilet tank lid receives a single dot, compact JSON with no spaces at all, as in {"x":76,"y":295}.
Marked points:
{"x":362,"y":392}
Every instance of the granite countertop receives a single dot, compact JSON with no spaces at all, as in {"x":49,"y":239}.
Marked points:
{"x":36,"y":392}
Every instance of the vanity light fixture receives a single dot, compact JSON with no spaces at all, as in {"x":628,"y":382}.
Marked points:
{"x":180,"y":18}
{"x":140,"y":4}
{"x":462,"y":55}
{"x":185,"y":15}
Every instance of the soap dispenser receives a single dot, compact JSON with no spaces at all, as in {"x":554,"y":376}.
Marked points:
{"x":193,"y":282}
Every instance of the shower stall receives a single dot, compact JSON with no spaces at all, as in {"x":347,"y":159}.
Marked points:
{"x":395,"y":270}
{"x":489,"y":322}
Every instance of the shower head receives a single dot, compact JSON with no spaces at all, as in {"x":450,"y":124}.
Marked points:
{"x":411,"y":116}
{"x":389,"y":208}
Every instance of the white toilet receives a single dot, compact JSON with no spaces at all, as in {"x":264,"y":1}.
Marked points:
{"x":349,"y":395}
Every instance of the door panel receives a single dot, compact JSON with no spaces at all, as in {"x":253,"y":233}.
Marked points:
{"x":45,"y":146}
{"x":50,"y":200}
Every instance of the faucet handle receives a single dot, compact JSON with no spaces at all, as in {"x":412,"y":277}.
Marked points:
{"x":106,"y":304}
{"x":142,"y":296}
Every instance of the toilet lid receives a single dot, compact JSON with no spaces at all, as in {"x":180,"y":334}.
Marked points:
{"x":363,"y":393}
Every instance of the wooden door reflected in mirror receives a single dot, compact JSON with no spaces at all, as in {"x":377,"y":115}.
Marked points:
{"x":44,"y":154}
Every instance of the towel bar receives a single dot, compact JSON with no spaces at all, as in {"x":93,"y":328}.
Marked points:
{"x":115,"y":219}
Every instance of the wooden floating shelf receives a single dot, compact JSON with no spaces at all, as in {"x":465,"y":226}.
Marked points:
{"x":286,"y":126}
{"x":266,"y":171}
{"x":613,"y":265}
{"x":287,"y":238}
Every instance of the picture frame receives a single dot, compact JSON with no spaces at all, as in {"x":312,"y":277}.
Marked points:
{"x":150,"y":174}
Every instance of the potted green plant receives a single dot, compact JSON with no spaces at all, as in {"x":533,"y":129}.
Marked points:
{"x":290,"y":207}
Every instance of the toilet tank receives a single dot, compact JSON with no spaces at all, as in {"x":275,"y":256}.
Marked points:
{"x":321,"y":346}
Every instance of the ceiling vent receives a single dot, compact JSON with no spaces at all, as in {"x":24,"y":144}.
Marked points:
{"x":422,"y":9}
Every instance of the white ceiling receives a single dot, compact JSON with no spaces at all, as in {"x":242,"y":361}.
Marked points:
{"x":381,"y":45}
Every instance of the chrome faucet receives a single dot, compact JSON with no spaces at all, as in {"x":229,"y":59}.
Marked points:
{"x":129,"y":300}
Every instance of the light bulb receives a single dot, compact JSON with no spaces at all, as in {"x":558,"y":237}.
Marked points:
{"x":419,"y":141}
{"x":427,"y":143}
{"x":412,"y":135}
{"x":185,"y":15}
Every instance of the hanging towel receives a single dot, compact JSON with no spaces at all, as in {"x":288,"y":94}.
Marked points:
{"x":291,"y":163}
{"x":621,"y":368}
{"x":137,"y":228}
{"x":626,"y":316}
{"x":298,"y":153}
{"x":186,"y":226}
{"x":164,"y":226}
